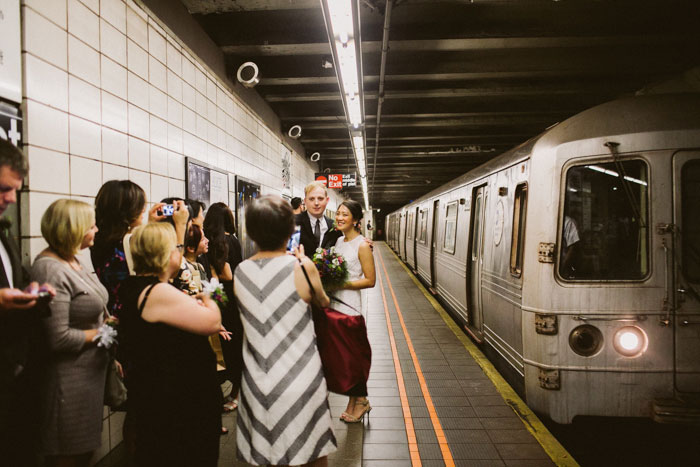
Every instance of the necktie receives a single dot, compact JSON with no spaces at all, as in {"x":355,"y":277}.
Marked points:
{"x":317,"y":232}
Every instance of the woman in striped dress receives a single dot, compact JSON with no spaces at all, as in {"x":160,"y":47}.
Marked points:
{"x":284,"y":417}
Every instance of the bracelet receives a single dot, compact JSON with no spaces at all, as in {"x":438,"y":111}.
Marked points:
{"x":180,"y":246}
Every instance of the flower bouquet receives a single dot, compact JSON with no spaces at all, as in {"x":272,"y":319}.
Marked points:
{"x":332,"y":268}
{"x":107,"y":333}
{"x":215,"y":290}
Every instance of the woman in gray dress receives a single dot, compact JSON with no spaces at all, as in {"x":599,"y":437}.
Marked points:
{"x":73,"y":395}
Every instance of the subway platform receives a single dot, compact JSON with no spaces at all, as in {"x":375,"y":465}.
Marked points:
{"x":436,"y":400}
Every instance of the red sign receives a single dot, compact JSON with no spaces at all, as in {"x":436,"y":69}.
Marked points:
{"x":335,"y":181}
{"x":322,"y":179}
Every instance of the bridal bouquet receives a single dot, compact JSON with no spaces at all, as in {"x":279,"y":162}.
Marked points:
{"x":215,"y":289}
{"x":107,"y":333}
{"x":332,"y":268}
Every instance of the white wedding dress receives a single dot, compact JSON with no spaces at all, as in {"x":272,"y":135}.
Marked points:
{"x":349,"y":251}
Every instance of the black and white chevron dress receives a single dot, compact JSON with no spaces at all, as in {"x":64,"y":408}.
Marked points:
{"x":283,"y":415}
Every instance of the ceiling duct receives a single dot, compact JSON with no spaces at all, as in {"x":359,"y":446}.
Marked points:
{"x":248,"y":74}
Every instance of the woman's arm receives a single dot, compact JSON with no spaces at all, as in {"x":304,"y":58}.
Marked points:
{"x":303,"y":287}
{"x":166,"y":304}
{"x":367,"y":262}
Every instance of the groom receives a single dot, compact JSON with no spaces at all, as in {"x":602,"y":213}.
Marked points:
{"x":316,"y":229}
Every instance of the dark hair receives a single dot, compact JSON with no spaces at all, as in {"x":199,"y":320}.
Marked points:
{"x":12,"y":157}
{"x":269,"y":221}
{"x":217,"y":223}
{"x":117,"y":205}
{"x":193,"y":237}
{"x":296,"y":202}
{"x":355,"y":209}
{"x":197,"y":206}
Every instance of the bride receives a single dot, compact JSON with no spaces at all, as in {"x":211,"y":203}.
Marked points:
{"x":360,"y":260}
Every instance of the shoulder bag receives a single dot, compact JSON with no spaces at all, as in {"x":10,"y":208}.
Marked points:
{"x":346,"y":355}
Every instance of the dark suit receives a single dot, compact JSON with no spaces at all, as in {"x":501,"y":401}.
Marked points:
{"x":307,"y":234}
{"x":21,"y":357}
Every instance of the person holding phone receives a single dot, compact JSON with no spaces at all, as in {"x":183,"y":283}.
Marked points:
{"x":21,"y":309}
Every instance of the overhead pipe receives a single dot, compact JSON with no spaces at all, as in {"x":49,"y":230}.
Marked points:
{"x":380,"y":94}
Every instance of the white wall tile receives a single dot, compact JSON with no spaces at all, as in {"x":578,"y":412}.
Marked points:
{"x":139,"y":122}
{"x":189,"y":120}
{"x":188,"y":72}
{"x":138,"y":90}
{"x":85,"y":138}
{"x":159,"y":160}
{"x":94,"y":5}
{"x":113,"y":77}
{"x":112,"y":42}
{"x":159,"y":131}
{"x":44,"y":39}
{"x":83,"y":61}
{"x":188,"y":96}
{"x":114,"y":112}
{"x":114,"y":172}
{"x":176,"y":188}
{"x":85,"y":176}
{"x":38,"y":203}
{"x":174,"y":58}
{"x":114,"y":11}
{"x":211,"y":89}
{"x":174,"y":86}
{"x":159,"y":187}
{"x":202,"y":126}
{"x":211,"y":133}
{"x":158,"y":102}
{"x":174,"y":112}
{"x":157,"y":75}
{"x":174,"y":138}
{"x":200,"y":79}
{"x":156,"y":44}
{"x":115,"y":147}
{"x":137,"y":59}
{"x":136,"y":28}
{"x":220,"y":118}
{"x":46,"y":127}
{"x":46,"y":83}
{"x":139,"y":154}
{"x":54,"y":11}
{"x":211,"y":111}
{"x":142,"y":179}
{"x":84,"y":99}
{"x":176,"y":166}
{"x":137,"y":9}
{"x":48,"y":170}
{"x":189,"y":144}
{"x":83,"y":23}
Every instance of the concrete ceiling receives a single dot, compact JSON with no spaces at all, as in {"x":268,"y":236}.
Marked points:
{"x":464,"y":80}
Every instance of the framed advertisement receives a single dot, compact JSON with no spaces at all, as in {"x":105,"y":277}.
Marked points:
{"x":246,"y":191}
{"x":205,"y":183}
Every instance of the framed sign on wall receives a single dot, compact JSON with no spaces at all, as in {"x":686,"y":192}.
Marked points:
{"x":246,"y":191}
{"x":205,"y":183}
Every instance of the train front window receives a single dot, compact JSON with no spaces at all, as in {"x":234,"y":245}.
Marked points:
{"x":690,"y":222}
{"x":604,"y":232}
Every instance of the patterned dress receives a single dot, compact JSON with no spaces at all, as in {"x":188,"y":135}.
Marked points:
{"x":283,"y":417}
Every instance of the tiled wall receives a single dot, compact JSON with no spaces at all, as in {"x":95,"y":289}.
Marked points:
{"x":109,"y":94}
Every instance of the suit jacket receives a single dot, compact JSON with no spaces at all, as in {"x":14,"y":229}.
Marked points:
{"x":307,"y":238}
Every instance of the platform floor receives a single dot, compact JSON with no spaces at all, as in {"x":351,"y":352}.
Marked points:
{"x":436,"y":400}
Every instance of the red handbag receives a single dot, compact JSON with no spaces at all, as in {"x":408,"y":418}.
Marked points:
{"x":346,"y":355}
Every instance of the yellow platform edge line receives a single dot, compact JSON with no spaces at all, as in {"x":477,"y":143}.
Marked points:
{"x":559,"y":455}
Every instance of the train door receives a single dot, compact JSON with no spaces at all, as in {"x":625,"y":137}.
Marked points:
{"x":476,"y":258}
{"x":433,"y":244}
{"x":686,"y":168}
{"x":403,"y":240}
{"x":415,"y":238}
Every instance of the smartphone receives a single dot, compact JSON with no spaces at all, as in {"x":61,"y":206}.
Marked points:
{"x":42,"y":303}
{"x":166,"y":210}
{"x":294,"y":240}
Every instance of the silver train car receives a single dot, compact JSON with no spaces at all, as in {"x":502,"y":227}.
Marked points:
{"x":574,"y":259}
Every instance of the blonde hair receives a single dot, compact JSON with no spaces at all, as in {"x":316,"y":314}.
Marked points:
{"x":64,"y":225}
{"x":151,"y":245}
{"x":313,"y":185}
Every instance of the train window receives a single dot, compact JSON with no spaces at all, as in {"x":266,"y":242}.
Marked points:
{"x":423,"y":225}
{"x":605,"y":233}
{"x":409,"y":227}
{"x":690,"y":233}
{"x":450,"y":228}
{"x":518,"y":237}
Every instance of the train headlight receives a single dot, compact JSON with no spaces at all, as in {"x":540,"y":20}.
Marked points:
{"x":630,"y":341}
{"x":586,"y":340}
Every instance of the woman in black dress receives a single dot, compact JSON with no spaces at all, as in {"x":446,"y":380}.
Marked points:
{"x":174,"y":396}
{"x":224,"y":255}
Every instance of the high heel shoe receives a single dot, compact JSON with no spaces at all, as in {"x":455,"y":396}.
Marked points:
{"x":348,"y":418}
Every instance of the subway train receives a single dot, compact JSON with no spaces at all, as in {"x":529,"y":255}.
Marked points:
{"x":574,"y":260}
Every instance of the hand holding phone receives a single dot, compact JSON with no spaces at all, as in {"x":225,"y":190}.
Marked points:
{"x":166,"y":210}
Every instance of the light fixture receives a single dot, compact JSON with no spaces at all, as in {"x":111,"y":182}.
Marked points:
{"x":294,"y":132}
{"x":315,"y":157}
{"x":248,"y":74}
{"x":342,"y":19}
{"x":630,"y":341}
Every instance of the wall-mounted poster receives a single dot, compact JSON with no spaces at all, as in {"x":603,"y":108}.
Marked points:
{"x":205,"y":183}
{"x":10,"y":51}
{"x":246,"y":191}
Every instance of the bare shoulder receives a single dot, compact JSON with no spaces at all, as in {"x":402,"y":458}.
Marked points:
{"x":365,"y":247}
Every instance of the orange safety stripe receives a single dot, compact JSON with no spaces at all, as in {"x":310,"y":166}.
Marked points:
{"x":407,"y":418}
{"x":442,"y":440}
